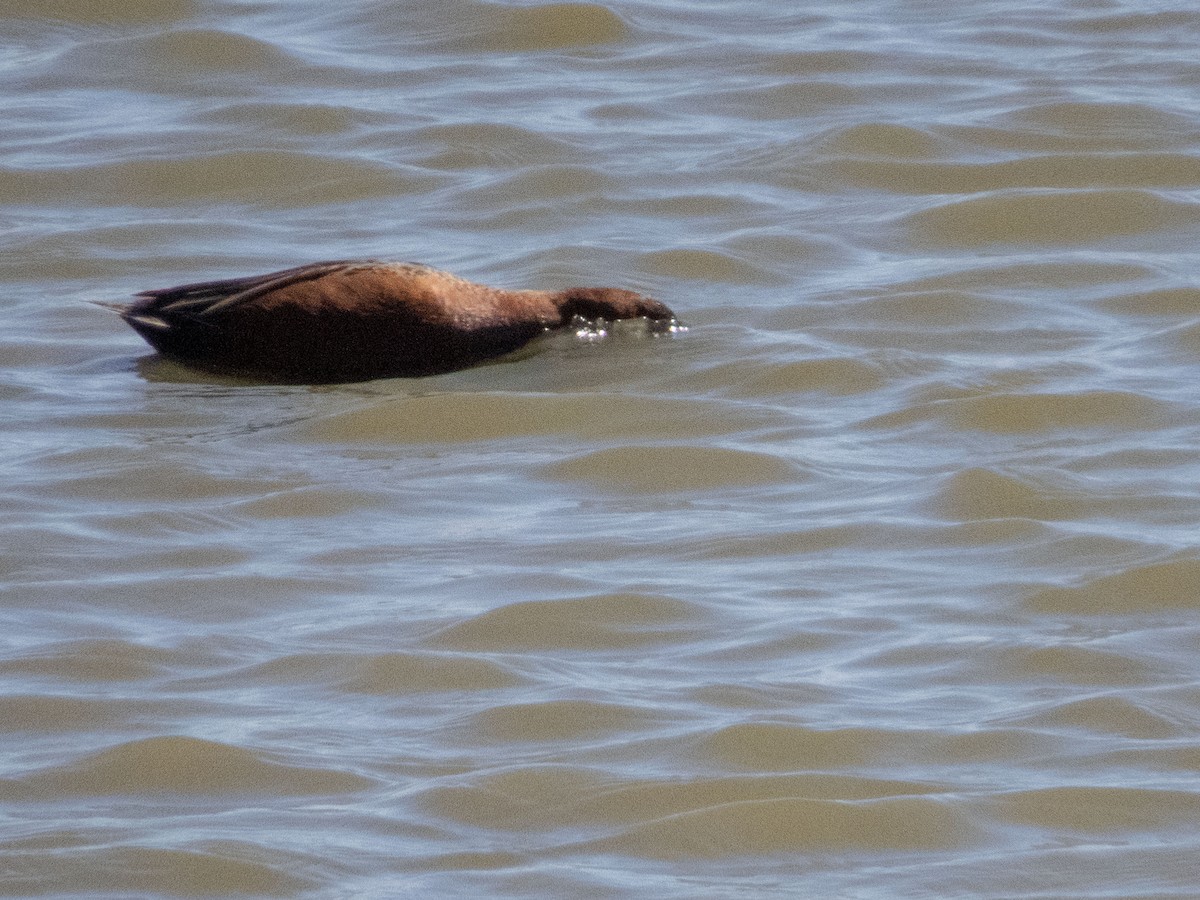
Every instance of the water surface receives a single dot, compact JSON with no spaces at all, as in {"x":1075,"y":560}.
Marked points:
{"x":881,"y":580}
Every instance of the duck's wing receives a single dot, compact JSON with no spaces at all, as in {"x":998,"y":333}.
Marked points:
{"x":203,"y":298}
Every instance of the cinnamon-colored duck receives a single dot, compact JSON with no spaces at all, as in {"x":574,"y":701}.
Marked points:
{"x":355,"y":320}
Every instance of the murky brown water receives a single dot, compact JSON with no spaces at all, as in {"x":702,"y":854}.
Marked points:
{"x":882,"y":580}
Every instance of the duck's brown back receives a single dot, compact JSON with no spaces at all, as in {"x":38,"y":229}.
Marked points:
{"x":340,"y":322}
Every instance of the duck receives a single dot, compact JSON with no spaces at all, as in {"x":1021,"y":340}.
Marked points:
{"x":356,"y":320}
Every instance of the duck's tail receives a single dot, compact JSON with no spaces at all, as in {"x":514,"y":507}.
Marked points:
{"x":139,"y":321}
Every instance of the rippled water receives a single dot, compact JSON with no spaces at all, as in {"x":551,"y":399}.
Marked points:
{"x":881,"y":580}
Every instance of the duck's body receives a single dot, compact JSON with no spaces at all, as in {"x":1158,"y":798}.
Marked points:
{"x":354,"y":320}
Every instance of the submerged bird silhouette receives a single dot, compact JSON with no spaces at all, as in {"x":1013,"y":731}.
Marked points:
{"x":352,"y":320}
